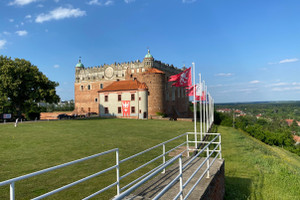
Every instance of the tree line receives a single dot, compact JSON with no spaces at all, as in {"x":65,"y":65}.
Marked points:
{"x":270,"y":131}
{"x":22,"y":87}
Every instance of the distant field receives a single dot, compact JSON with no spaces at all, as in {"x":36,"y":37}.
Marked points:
{"x":253,"y":170}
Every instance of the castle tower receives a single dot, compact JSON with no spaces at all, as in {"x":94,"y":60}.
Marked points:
{"x":148,"y":60}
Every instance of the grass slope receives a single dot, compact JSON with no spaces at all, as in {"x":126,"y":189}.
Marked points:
{"x":254,"y":170}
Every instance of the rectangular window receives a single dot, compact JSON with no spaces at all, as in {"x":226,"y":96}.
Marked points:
{"x":106,"y":98}
{"x":132,"y":109}
{"x":140,"y":111}
{"x":119,"y":110}
{"x":89,"y":87}
{"x":132,"y":97}
{"x":106,"y":110}
{"x":119,"y":97}
{"x":101,"y":86}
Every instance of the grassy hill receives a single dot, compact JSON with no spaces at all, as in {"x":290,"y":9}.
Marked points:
{"x":253,"y":170}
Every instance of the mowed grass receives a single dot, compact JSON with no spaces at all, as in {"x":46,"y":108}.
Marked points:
{"x":253,"y":170}
{"x":34,"y":146}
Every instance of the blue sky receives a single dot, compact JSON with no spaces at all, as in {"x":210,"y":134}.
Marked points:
{"x":246,"y":50}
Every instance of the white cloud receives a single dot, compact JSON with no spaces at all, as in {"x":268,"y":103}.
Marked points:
{"x":28,"y":17}
{"x":224,"y":74}
{"x":254,"y":82}
{"x":56,"y":66}
{"x":277,"y":89}
{"x":2,"y":43}
{"x":100,"y":3}
{"x":21,"y":2}
{"x":11,"y":20}
{"x":40,"y":6}
{"x":6,"y":33}
{"x":288,"y":60}
{"x":188,"y":1}
{"x":94,"y":2}
{"x":108,"y":3}
{"x":59,"y":13}
{"x":129,"y":1}
{"x":295,"y":83}
{"x":22,"y":33}
{"x":279,"y":84}
{"x":56,"y":1}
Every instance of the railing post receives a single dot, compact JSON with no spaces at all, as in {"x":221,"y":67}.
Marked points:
{"x":180,"y":178}
{"x":118,"y":171}
{"x":164,"y":158}
{"x":207,"y":162}
{"x":12,"y":191}
{"x":187,"y":145}
{"x":220,"y":149}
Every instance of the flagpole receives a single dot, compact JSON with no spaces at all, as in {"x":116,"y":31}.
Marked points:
{"x":206,"y":110}
{"x":203,"y":105}
{"x":200,"y":101}
{"x":195,"y":116}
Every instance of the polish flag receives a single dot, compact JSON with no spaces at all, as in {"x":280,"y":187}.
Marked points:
{"x":182,"y":79}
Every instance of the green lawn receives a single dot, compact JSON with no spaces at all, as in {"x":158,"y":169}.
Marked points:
{"x":253,"y":170}
{"x":34,"y":146}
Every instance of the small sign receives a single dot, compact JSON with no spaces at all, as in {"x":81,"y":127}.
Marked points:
{"x":6,"y":116}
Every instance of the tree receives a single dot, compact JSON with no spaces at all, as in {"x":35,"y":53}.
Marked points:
{"x":22,"y":86}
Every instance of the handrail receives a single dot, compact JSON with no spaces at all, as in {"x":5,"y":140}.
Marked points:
{"x":55,"y":167}
{"x":13,"y":180}
{"x":158,"y":145}
{"x":128,"y":191}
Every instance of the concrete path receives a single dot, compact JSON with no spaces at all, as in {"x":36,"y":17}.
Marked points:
{"x":150,"y":189}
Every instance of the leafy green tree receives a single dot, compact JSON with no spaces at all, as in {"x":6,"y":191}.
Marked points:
{"x":22,"y":85}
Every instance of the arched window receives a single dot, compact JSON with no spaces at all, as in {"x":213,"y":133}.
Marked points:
{"x":89,"y":87}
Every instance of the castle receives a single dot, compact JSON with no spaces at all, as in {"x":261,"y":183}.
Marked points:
{"x":133,"y":89}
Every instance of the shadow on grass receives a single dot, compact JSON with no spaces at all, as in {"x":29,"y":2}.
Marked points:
{"x":237,"y":188}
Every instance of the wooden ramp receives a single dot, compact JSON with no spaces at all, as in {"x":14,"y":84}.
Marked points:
{"x":214,"y":185}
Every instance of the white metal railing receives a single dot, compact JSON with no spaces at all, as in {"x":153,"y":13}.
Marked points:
{"x":209,"y":154}
{"x":12,"y":181}
{"x":121,"y":191}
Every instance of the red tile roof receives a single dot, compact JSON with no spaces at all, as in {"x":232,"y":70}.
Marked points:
{"x":124,"y":85}
{"x":153,"y":71}
{"x":296,"y":138}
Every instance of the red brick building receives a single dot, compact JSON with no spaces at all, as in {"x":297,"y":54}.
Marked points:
{"x":92,"y":82}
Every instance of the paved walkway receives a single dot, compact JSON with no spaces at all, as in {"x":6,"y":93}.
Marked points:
{"x":150,"y":189}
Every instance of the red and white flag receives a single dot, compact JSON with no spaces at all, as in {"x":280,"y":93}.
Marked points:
{"x":182,"y":79}
{"x":126,"y":108}
{"x":199,"y":90}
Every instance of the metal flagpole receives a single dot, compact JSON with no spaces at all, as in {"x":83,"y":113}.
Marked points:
{"x":206,"y":102}
{"x":204,"y":110}
{"x":200,"y":101}
{"x":195,"y":107}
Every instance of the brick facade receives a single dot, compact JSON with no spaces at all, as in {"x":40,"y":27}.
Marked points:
{"x":162,"y":97}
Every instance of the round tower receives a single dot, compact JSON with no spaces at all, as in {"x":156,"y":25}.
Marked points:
{"x":155,"y":81}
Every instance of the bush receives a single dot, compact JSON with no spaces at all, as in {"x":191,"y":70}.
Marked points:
{"x":161,"y":114}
